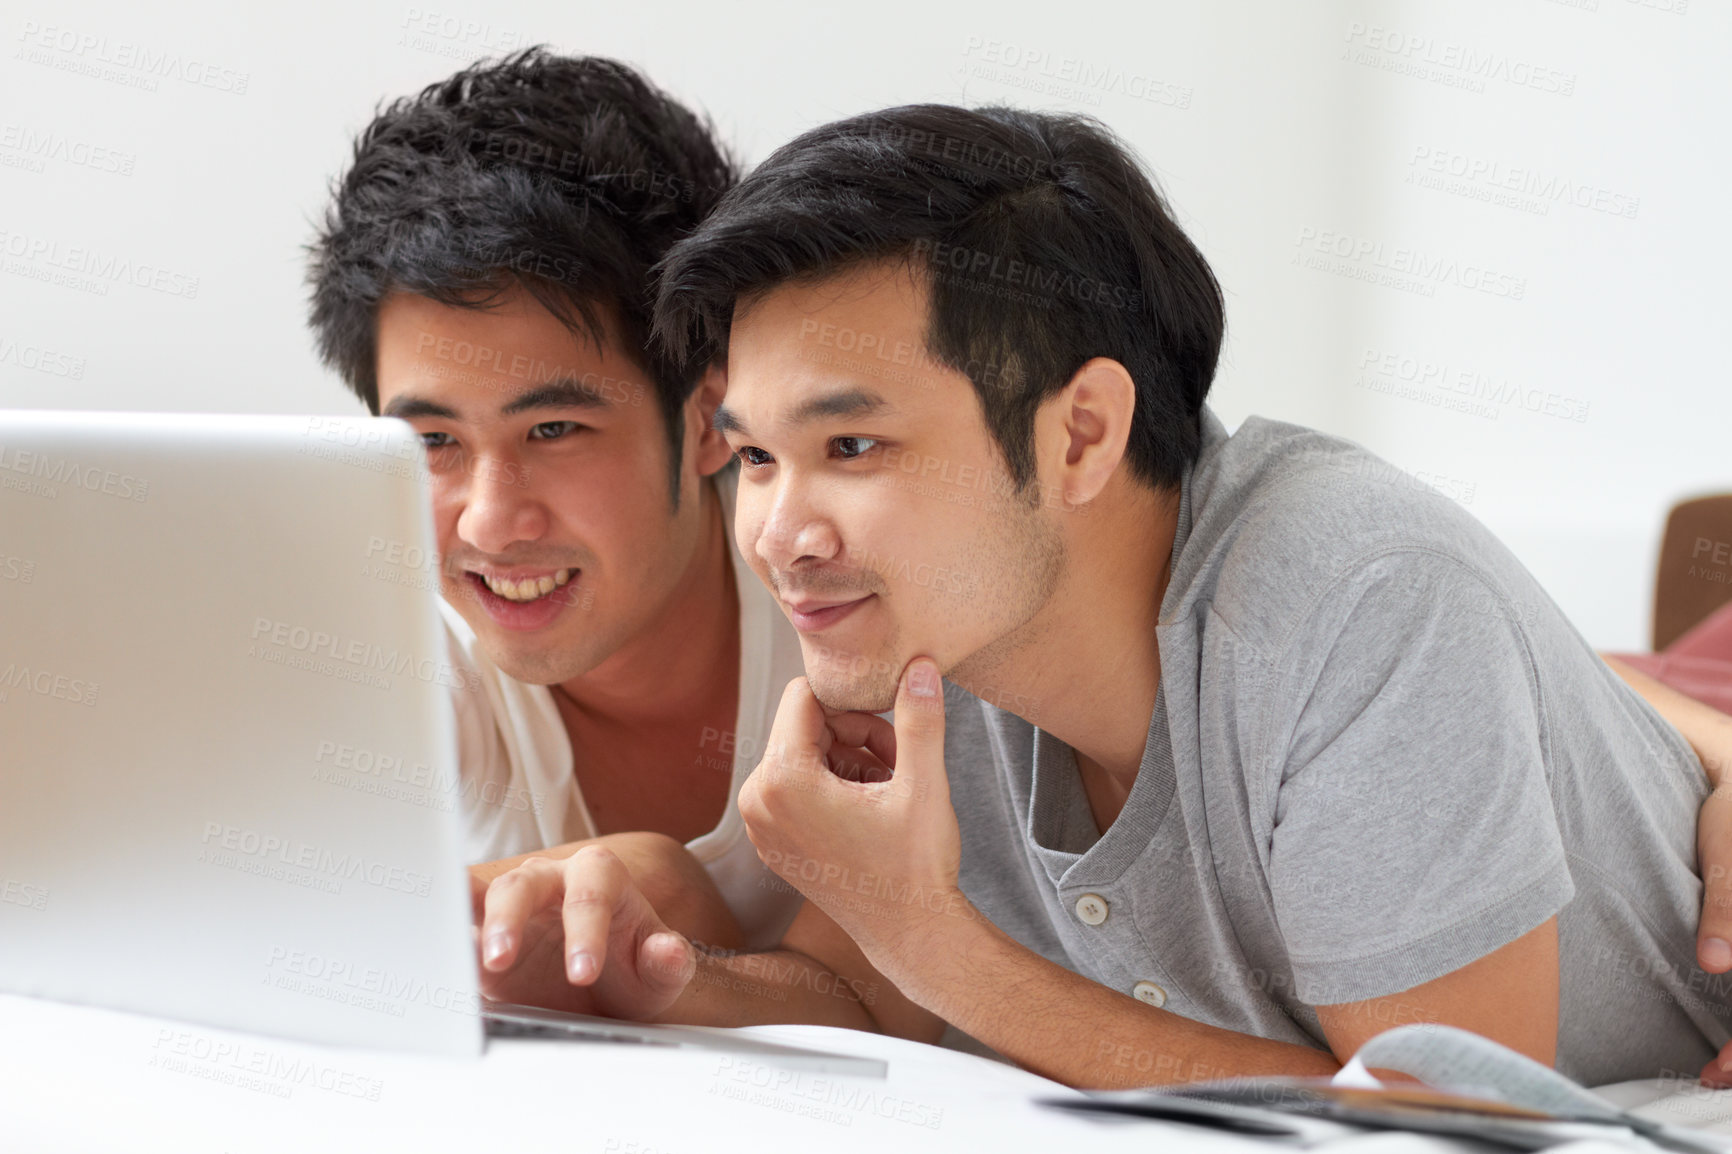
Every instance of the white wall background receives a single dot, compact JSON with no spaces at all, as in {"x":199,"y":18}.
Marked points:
{"x":1296,"y":138}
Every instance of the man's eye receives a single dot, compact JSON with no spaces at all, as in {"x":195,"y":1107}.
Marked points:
{"x":752,"y":456}
{"x":850,"y":447}
{"x":552,"y":430}
{"x":437,"y":440}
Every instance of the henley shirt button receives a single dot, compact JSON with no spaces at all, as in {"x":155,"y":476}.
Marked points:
{"x":1091,"y":909}
{"x":1150,"y":993}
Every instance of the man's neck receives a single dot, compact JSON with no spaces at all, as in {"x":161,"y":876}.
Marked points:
{"x":688,"y":660}
{"x":1086,"y":669}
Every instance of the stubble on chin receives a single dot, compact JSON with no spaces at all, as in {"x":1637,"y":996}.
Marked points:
{"x":535,"y":670}
{"x":852,"y":681}
{"x":868,"y":694}
{"x":548,"y":663}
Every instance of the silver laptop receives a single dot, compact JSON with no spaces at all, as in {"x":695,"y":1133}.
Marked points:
{"x":228,"y":783}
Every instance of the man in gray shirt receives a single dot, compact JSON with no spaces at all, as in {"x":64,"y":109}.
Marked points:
{"x":1388,"y":755}
{"x":1264,"y":746}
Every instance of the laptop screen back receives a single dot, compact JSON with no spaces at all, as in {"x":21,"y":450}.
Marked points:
{"x":228,"y":787}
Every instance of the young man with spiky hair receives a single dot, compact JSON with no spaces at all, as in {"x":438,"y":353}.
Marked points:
{"x":484,"y":273}
{"x":1270,"y":751}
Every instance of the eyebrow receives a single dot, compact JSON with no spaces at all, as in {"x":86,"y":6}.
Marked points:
{"x":407,"y":407}
{"x":564,"y":393}
{"x":851,"y":402}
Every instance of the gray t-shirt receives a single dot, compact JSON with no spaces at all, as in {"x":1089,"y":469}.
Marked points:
{"x":1379,"y":752}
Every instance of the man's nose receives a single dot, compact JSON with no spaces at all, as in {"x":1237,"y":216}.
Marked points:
{"x":796,"y":529}
{"x":500,"y":506}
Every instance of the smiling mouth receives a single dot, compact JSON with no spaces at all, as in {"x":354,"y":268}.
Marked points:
{"x":809,"y":607}
{"x":816,"y":616}
{"x":528,"y":589}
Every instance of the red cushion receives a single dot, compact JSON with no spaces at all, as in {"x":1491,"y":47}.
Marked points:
{"x":1711,"y":638}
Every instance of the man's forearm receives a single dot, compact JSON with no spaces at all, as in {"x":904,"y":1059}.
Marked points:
{"x":1063,"y":1026}
{"x":780,"y":986}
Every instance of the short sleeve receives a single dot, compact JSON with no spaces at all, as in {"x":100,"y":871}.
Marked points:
{"x":1414,"y":827}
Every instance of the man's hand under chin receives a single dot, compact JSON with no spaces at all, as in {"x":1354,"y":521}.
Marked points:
{"x":856,"y":814}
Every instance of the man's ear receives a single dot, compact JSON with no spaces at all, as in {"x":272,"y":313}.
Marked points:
{"x":710,"y":450}
{"x":1080,"y":434}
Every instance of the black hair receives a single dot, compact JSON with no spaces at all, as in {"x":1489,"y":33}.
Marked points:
{"x":569,"y":176}
{"x":1042,"y":239}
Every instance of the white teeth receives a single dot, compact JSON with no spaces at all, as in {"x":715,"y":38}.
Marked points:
{"x":530,"y":588}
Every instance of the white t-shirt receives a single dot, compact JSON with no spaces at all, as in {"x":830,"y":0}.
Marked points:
{"x":520,"y":790}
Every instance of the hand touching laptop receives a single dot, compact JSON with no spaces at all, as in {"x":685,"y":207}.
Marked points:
{"x":600,"y":927}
